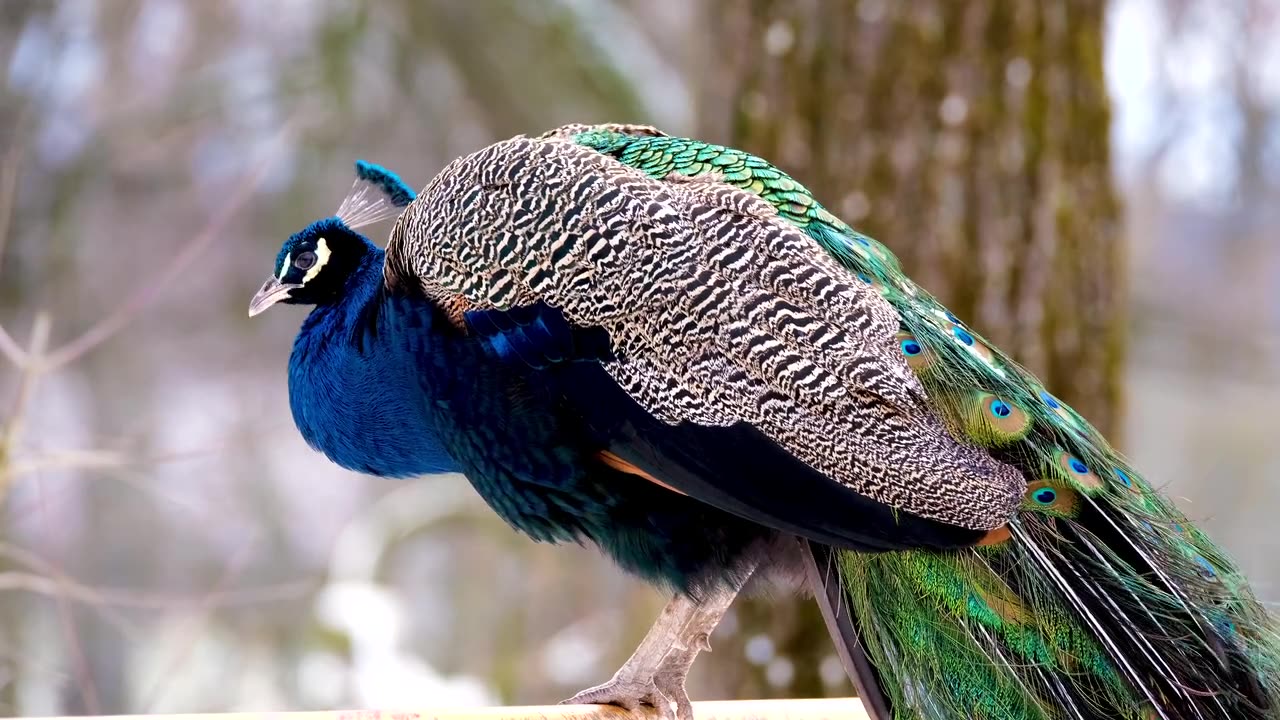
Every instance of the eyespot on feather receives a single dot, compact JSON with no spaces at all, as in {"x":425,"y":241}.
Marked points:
{"x":879,"y":286}
{"x":1077,"y":471}
{"x":1062,"y":411}
{"x":918,"y":357}
{"x":972,"y":344}
{"x":1126,"y":481}
{"x":867,"y":247}
{"x":1206,"y":568}
{"x":992,"y":421}
{"x":1050,"y":498}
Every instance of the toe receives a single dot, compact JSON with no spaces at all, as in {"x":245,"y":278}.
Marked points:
{"x":672,"y":688}
{"x":602,"y":695}
{"x":684,"y":708}
{"x":630,"y":696}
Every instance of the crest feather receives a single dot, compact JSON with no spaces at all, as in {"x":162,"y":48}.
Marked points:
{"x":377,"y":194}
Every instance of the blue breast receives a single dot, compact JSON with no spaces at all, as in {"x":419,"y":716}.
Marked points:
{"x":383,"y":384}
{"x":357,"y":382}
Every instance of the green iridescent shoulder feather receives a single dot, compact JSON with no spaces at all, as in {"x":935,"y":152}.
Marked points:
{"x":997,"y":631}
{"x":660,"y":157}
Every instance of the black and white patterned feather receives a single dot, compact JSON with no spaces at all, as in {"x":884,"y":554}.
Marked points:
{"x":718,"y":313}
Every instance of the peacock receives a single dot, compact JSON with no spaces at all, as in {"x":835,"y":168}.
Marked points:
{"x":671,"y":350}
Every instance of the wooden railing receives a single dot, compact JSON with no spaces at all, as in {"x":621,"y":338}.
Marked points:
{"x":827,"y":709}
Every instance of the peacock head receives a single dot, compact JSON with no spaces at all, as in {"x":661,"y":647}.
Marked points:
{"x":313,"y":265}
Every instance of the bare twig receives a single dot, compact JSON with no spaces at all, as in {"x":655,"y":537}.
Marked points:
{"x":67,"y":624}
{"x":55,"y":580}
{"x":95,"y":460}
{"x":8,"y":186}
{"x":45,"y":571}
{"x":138,"y":599}
{"x":79,"y":663}
{"x":26,"y":388}
{"x":200,"y":614}
{"x":67,"y":460}
{"x":10,"y":349}
{"x":146,"y":294}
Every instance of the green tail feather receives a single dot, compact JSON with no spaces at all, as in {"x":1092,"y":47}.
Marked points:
{"x":1106,"y":602}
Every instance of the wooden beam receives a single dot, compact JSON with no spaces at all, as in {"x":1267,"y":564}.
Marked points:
{"x":816,"y":709}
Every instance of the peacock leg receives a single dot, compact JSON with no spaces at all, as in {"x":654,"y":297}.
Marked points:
{"x":695,"y":638}
{"x":655,"y":673}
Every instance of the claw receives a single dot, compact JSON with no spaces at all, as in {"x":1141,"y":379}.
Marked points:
{"x":671,"y":685}
{"x":637,"y":695}
{"x":654,"y":675}
{"x":703,"y":642}
{"x":660,"y":692}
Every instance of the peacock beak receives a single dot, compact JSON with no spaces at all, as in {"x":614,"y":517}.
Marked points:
{"x":272,"y":292}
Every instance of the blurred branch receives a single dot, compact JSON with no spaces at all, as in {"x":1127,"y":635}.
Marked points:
{"x":26,"y":388}
{"x":44,"y":578}
{"x":147,"y":293}
{"x":57,"y":585}
{"x":200,"y":615}
{"x":70,"y":460}
{"x":10,"y":349}
{"x":8,"y":187}
{"x":121,"y":597}
{"x":94,"y":460}
{"x":359,"y":551}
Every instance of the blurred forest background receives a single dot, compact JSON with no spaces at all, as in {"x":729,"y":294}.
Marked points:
{"x":1094,"y":185}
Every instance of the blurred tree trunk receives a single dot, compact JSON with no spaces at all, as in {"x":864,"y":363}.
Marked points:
{"x":972,"y":138}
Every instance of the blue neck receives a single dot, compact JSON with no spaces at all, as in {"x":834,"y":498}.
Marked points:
{"x":361,"y":374}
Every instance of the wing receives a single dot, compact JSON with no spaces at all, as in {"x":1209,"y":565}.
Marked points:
{"x":745,"y":367}
{"x":574,"y":130}
{"x":663,"y":157}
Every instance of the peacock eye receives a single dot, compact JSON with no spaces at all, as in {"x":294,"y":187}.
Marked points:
{"x":1000,"y":408}
{"x":1045,"y":496}
{"x":305,"y":260}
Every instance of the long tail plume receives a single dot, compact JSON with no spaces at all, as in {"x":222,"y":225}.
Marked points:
{"x":1103,"y":601}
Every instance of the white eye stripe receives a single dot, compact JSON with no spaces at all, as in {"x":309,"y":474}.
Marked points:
{"x":322,"y":256}
{"x":284,"y":267}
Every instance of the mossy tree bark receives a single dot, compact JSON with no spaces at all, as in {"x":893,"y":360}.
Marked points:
{"x":969,"y":136}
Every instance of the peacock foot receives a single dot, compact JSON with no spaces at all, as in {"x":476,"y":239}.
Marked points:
{"x":638,"y":696}
{"x":654,"y":676}
{"x":636,"y":690}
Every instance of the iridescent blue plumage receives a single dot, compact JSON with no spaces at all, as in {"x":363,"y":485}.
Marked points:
{"x":384,"y":382}
{"x":359,"y":370}
{"x":358,"y":373}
